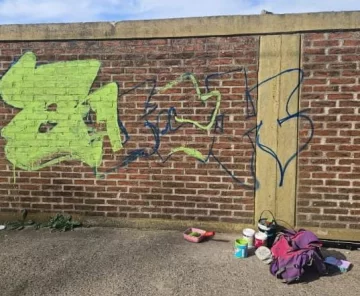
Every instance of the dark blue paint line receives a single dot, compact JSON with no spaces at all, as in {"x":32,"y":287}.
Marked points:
{"x":156,"y":134}
{"x":253,"y":155}
{"x":171,"y":113}
{"x":241,"y":183}
{"x":139,"y":153}
{"x":250,"y":107}
{"x":123,"y":130}
{"x":301,"y":148}
{"x":208,"y":77}
{"x":297,"y":115}
{"x":301,"y":77}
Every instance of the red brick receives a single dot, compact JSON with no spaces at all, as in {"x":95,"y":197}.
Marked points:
{"x":41,"y":206}
{"x":73,"y":200}
{"x":220,"y":213}
{"x":162,"y":203}
{"x":306,"y":210}
{"x":175,"y":197}
{"x":328,"y":167}
{"x":312,"y":51}
{"x":350,"y":58}
{"x":354,"y":226}
{"x":63,"y":207}
{"x":185,"y":191}
{"x":61,"y":193}
{"x":106,"y":208}
{"x":209,"y":192}
{"x":236,"y":220}
{"x":84,"y":194}
{"x":62,"y":181}
{"x":173,"y":211}
{"x":116,"y":202}
{"x":336,"y":196}
{"x":326,"y":43}
{"x":332,"y":225}
{"x":184,"y":204}
{"x":349,"y":190}
{"x":139,"y":215}
{"x":115,"y":214}
{"x":351,"y":43}
{"x":208,"y":219}
{"x":336,"y":211}
{"x":337,"y":183}
{"x":231,"y":207}
{"x":324,"y":204}
{"x":350,"y":218}
{"x":84,"y":208}
{"x":105,"y":195}
{"x":173,"y":184}
{"x":207,"y":206}
{"x":130,"y":196}
{"x":324,"y":217}
{"x":350,"y":205}
{"x":221,"y":200}
{"x":94,"y":201}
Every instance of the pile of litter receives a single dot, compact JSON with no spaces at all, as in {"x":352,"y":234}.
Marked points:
{"x":291,"y":254}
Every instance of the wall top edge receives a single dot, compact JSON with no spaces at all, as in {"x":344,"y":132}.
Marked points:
{"x":186,"y":27}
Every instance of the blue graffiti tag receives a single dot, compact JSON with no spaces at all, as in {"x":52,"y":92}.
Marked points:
{"x":297,"y":115}
{"x":171,"y":113}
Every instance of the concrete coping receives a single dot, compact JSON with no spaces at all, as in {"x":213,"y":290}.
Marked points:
{"x":186,"y":27}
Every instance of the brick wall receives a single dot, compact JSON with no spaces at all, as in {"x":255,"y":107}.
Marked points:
{"x":328,"y":185}
{"x":140,"y":179}
{"x":142,"y":186}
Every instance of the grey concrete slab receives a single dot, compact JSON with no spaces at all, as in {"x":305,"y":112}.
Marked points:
{"x":105,"y":261}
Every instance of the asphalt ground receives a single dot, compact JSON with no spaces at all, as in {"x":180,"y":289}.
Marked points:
{"x":113,"y":261}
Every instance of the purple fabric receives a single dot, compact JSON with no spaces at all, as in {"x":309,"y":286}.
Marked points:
{"x":295,"y":251}
{"x":305,"y":238}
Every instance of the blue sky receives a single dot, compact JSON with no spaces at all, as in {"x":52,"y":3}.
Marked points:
{"x":58,"y":11}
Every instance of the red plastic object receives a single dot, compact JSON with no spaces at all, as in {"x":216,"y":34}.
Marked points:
{"x":197,"y":239}
{"x":209,"y":233}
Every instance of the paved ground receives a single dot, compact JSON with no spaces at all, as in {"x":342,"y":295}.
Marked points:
{"x":103,"y":261}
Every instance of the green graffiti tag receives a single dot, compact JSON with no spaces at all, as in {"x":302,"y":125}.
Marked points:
{"x":202,"y":96}
{"x":189,"y":151}
{"x":57,"y":95}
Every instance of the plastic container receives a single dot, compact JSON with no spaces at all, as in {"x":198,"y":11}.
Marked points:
{"x":268,"y":227}
{"x":196,"y":235}
{"x":342,"y":265}
{"x":264,"y":254}
{"x":248,"y":235}
{"x":241,"y":248}
{"x":260,"y":239}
